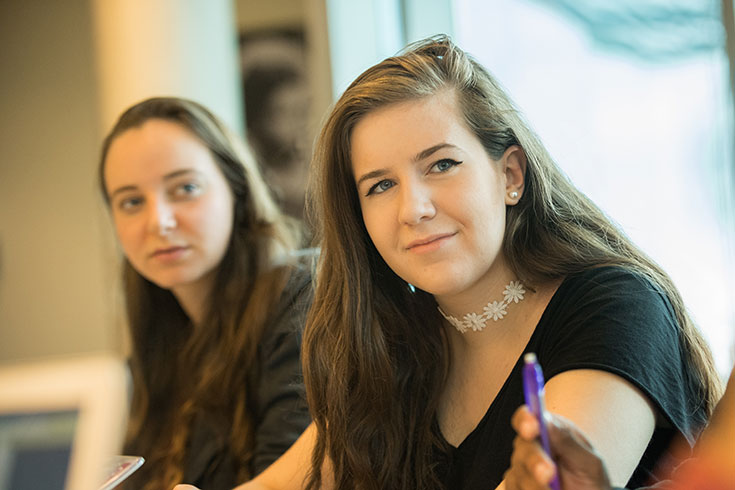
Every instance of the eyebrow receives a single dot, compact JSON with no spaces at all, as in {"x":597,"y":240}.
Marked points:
{"x":169,"y":176}
{"x":418,"y":157}
{"x":429,"y":151}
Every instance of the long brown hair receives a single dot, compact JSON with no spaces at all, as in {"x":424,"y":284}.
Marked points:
{"x":180,"y":370}
{"x":375,"y":358}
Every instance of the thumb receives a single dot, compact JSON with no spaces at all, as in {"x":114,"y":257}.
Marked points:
{"x":573,"y":450}
{"x":567,"y":434}
{"x":185,"y":487}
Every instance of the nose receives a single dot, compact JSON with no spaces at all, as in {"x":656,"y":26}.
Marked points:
{"x":416,"y":203}
{"x":161,"y":218}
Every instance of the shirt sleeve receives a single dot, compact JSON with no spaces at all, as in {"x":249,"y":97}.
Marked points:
{"x":282,"y":413}
{"x":615,"y":320}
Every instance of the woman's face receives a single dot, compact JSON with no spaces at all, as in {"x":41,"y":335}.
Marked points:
{"x":172,"y":207}
{"x":433,"y":201}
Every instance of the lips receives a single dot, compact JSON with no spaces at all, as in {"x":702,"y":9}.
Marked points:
{"x":432,"y":241}
{"x":172,"y":251}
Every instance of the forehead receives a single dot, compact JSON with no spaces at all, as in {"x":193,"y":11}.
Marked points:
{"x":158,"y":147}
{"x":400,"y":131}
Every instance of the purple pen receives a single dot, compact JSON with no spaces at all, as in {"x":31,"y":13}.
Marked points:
{"x":533,"y":391}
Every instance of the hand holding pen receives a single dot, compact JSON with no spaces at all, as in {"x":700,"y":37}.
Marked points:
{"x":541,"y":436}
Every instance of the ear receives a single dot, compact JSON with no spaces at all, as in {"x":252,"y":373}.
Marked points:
{"x":514,"y":168}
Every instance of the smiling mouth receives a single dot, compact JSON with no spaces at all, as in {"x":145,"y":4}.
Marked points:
{"x":429,"y":243}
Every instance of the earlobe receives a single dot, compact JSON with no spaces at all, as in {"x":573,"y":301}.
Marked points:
{"x":514,"y":168}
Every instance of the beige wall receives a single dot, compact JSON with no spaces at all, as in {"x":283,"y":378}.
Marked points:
{"x":54,"y":285}
{"x":185,"y":48}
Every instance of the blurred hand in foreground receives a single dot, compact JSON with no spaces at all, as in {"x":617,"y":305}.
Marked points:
{"x":578,"y":464}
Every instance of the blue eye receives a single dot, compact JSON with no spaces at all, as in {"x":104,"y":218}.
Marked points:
{"x":130,"y":204}
{"x":187,"y":189}
{"x":444,"y":165}
{"x":380,"y":187}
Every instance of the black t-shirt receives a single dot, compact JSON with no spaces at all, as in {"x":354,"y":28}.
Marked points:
{"x":609,"y":319}
{"x":281,"y":414}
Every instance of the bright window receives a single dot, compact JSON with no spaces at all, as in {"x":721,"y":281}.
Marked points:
{"x":646,"y":134}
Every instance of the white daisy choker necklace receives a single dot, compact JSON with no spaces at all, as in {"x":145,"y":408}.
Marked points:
{"x":496,"y":310}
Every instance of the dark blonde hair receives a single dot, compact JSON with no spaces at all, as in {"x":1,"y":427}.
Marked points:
{"x":375,"y":357}
{"x":181,"y":370}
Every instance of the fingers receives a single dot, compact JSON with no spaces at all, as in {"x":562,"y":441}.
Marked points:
{"x":185,"y":487}
{"x":530,"y":467}
{"x":521,"y":481}
{"x":567,"y":440}
{"x":575,"y":455}
{"x":525,"y":423}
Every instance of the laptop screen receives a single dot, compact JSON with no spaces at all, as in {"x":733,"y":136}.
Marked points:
{"x":35,"y":449}
{"x":61,"y":422}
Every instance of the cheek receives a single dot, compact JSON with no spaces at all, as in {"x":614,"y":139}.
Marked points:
{"x":221,"y":230}
{"x":125,"y":230}
{"x":376,"y":227}
{"x":490,"y":235}
{"x":215,"y":220}
{"x":131,"y":241}
{"x":481,"y":210}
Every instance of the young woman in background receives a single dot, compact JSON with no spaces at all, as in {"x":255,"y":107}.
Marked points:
{"x":215,"y":299}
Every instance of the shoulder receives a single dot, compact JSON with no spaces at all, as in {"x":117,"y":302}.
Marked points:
{"x":613,"y":319}
{"x":298,"y":290}
{"x":610,"y":306}
{"x":611,"y":293}
{"x":288,"y":316}
{"x":611,"y":280}
{"x":618,"y":320}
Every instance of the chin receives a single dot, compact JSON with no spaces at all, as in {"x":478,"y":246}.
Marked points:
{"x":450,"y":284}
{"x":436,"y":288}
{"x":442,"y":279}
{"x":163,"y":284}
{"x":169,"y":282}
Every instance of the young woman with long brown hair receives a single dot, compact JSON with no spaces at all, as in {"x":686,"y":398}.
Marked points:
{"x":215,"y":300}
{"x":452,"y":244}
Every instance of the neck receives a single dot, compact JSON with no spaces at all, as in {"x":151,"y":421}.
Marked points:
{"x":473,"y":299}
{"x":519,"y":322}
{"x":193,"y":297}
{"x":483,"y":313}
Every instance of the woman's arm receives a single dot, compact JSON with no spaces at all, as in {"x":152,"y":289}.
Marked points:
{"x":578,"y":465}
{"x":281,"y":409}
{"x":616,"y":418}
{"x":288,"y":472}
